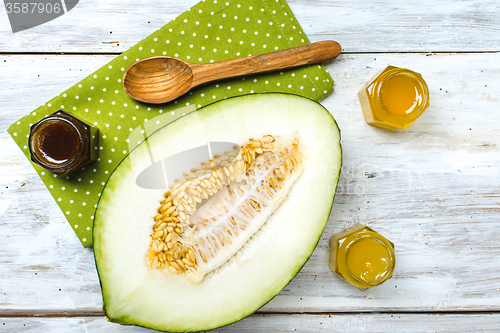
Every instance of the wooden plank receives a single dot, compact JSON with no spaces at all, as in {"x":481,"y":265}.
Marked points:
{"x":340,"y":323}
{"x":434,"y":190}
{"x":425,"y":26}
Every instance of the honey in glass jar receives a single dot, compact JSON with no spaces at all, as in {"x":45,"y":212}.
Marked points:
{"x":394,"y":98}
{"x":61,"y":143}
{"x":362,"y":257}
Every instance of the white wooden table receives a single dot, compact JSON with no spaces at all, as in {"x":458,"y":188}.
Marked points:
{"x":433,"y":189}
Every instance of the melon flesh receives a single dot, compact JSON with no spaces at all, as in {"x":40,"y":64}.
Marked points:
{"x":133,"y":293}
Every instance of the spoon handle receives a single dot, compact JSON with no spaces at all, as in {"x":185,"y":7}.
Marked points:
{"x":293,"y":57}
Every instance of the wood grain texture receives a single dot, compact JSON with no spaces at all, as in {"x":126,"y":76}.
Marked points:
{"x":433,"y":190}
{"x":161,"y":79}
{"x":305,"y":323}
{"x":293,"y":57}
{"x":113,"y":26}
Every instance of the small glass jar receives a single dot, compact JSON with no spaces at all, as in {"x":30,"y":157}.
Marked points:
{"x":394,"y":98}
{"x":61,"y":143}
{"x":362,"y":257}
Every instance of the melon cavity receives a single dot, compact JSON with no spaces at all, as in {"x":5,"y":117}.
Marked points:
{"x":249,"y":187}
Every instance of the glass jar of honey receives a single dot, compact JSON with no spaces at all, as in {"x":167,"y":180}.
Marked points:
{"x":362,"y":257}
{"x":61,"y":143}
{"x":394,"y":98}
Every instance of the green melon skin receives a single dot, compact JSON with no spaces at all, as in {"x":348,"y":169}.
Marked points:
{"x":134,"y":294}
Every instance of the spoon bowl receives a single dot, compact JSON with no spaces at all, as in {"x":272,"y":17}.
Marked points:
{"x":162,"y":79}
{"x":156,"y":79}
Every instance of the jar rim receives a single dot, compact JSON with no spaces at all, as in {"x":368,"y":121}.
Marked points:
{"x":82,"y":142}
{"x":397,"y":71}
{"x":347,"y":242}
{"x":386,"y":275}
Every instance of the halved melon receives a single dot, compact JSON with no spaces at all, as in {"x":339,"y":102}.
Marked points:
{"x":217,"y":245}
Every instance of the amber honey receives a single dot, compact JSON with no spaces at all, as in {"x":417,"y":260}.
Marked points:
{"x":61,"y":143}
{"x":394,"y":98}
{"x":56,"y":142}
{"x":362,"y":257}
{"x":368,"y":260}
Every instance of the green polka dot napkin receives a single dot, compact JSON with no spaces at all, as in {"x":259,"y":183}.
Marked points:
{"x":213,"y":30}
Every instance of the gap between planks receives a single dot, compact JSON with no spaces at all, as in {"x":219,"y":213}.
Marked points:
{"x":348,"y":53}
{"x":92,"y":313}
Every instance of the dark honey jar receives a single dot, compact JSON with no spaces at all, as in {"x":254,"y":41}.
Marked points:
{"x":61,"y":143}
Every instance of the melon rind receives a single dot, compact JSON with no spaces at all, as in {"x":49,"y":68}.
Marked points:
{"x":135,"y":294}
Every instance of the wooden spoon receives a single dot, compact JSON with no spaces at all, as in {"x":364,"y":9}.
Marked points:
{"x":162,"y":79}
